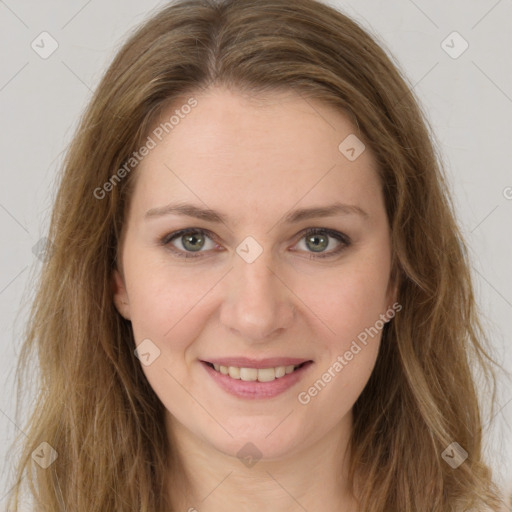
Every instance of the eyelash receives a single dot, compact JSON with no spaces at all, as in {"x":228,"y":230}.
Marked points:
{"x":341,"y":237}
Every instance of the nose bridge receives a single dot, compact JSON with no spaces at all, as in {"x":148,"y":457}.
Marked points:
{"x":257,"y":303}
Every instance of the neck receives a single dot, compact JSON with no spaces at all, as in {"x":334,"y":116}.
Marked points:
{"x":207,"y":480}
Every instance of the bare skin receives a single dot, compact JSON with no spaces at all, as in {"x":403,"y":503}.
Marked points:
{"x":255,"y":160}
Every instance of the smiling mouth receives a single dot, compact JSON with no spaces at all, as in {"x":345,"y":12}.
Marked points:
{"x":256,"y":374}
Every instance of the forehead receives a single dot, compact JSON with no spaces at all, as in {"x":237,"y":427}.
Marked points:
{"x":253,"y":153}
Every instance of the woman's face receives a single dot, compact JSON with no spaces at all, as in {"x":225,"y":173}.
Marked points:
{"x":247,"y":286}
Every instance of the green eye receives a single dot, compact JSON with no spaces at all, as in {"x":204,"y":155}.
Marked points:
{"x":318,"y":242}
{"x":188,"y":241}
{"x":193,"y":242}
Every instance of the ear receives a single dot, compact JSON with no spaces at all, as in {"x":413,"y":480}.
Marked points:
{"x":120,"y":295}
{"x":392,"y":291}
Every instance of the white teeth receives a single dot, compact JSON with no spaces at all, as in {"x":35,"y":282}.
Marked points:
{"x":266,"y":374}
{"x":234,"y":372}
{"x":280,"y":371}
{"x":249,"y":374}
{"x":255,"y":374}
{"x":289,"y":369}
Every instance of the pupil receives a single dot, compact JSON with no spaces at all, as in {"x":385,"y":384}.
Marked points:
{"x":319,"y":242}
{"x":190,"y":240}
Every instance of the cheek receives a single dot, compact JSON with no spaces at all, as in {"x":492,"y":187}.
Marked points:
{"x":167,"y":304}
{"x":347,"y":300}
{"x":349,"y":306}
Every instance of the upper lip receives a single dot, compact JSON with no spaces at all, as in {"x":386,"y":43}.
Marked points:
{"x":245,"y":362}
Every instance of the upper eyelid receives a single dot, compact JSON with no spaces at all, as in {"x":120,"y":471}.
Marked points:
{"x":182,"y":232}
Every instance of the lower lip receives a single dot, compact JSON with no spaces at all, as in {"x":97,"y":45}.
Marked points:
{"x":255,"y":389}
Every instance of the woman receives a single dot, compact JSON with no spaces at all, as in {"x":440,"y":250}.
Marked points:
{"x":257,"y":296}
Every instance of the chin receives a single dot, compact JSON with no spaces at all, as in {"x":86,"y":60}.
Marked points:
{"x":263,"y":441}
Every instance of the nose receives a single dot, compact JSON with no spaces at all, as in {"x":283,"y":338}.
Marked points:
{"x":257,"y":304}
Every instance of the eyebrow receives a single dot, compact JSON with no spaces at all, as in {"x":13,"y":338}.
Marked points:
{"x":206,"y":214}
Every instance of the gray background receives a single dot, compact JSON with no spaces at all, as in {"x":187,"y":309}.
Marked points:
{"x":468,"y":100}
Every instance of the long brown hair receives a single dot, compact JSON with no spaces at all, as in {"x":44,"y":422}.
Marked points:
{"x":96,"y":408}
